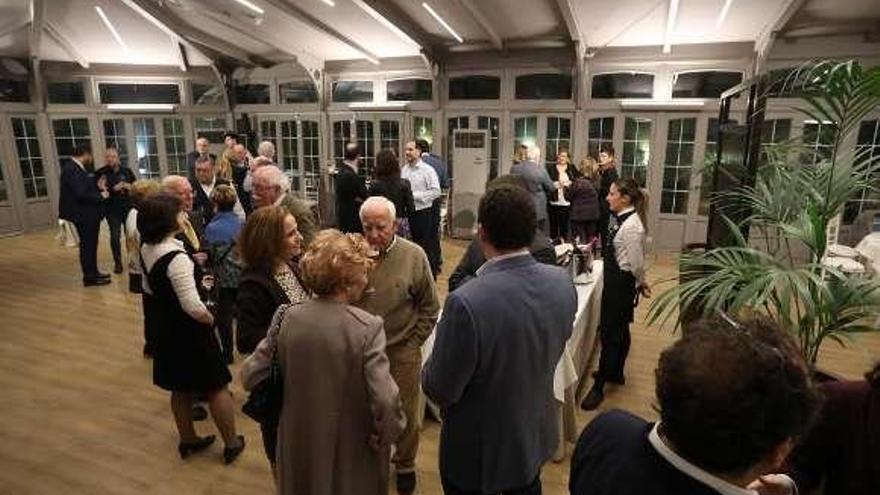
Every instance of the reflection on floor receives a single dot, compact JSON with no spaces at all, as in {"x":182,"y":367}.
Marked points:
{"x":80,"y":415}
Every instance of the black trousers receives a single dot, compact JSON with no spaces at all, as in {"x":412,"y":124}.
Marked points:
{"x":558,"y":221}
{"x":420,"y":224}
{"x":88,"y":248}
{"x":225,"y":314}
{"x":533,"y":488}
{"x":115,"y":220}
{"x":618,"y":306}
{"x":436,"y":256}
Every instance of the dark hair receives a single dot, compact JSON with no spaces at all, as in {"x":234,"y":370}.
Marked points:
{"x":627,"y":186}
{"x":157,"y":216}
{"x":423,"y":146}
{"x":204,"y":159}
{"x":387,"y":164}
{"x":230,"y":134}
{"x":607,"y":148}
{"x":507,"y":216}
{"x":729,"y":393}
{"x":81,"y":150}
{"x":351,"y":151}
{"x":873,"y":376}
{"x":511,"y":179}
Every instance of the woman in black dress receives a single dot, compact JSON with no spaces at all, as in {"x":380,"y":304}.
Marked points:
{"x":187,"y":359}
{"x":388,"y":183}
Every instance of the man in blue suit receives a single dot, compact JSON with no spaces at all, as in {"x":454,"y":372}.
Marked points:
{"x":81,"y":196}
{"x":497,"y":346}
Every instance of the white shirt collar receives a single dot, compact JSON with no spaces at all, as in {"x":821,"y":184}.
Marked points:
{"x":209,"y":187}
{"x":686,"y":467}
{"x":626,"y":210}
{"x":501,"y":257}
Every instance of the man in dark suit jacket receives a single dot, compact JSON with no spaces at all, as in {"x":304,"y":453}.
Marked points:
{"x":495,"y":355}
{"x":538,"y":182}
{"x":81,"y":196}
{"x":205,"y":179}
{"x":350,"y":191}
{"x":202,"y":145}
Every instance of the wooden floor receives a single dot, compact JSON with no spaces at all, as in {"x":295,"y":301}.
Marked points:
{"x":79,"y":413}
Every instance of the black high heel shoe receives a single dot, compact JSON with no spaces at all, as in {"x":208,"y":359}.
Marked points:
{"x":230,"y":454}
{"x":185,"y":449}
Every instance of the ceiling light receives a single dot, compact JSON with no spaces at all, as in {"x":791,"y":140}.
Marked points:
{"x":251,"y":6}
{"x":660,"y":104}
{"x":376,"y":106}
{"x":385,"y":22}
{"x":329,"y":2}
{"x":443,"y":23}
{"x":723,"y":14}
{"x":112,"y":29}
{"x":670,"y":25}
{"x":141,"y":107}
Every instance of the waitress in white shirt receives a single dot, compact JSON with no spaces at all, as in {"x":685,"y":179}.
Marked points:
{"x":623,"y":254}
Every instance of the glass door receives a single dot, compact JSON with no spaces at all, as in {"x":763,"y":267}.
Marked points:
{"x":551,"y":133}
{"x":36,"y":210}
{"x":371,"y":132}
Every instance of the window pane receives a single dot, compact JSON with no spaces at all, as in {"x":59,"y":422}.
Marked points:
{"x":525,"y":132}
{"x":139,"y":93}
{"x":114,"y":136}
{"x":389,"y":135}
{"x":14,"y":91}
{"x":677,"y":166}
{"x":70,"y":133}
{"x":341,"y":137}
{"x":600,"y":131}
{"x":558,"y":138}
{"x":424,"y":129}
{"x":704,"y":84}
{"x":289,"y":147}
{"x":252,"y":94}
{"x":818,"y":139}
{"x":298,"y":92}
{"x":475,"y":88}
{"x":543,"y":87}
{"x":269,"y":132}
{"x":175,"y":146}
{"x":492,"y":125}
{"x":30,"y":160}
{"x":207,"y":94}
{"x":623,"y":85}
{"x":68,"y":93}
{"x":366,"y":144}
{"x":311,"y":153}
{"x":212,"y":128}
{"x":410,"y":90}
{"x":352,"y":91}
{"x":866,"y":197}
{"x":147,"y":149}
{"x":636,"y":149}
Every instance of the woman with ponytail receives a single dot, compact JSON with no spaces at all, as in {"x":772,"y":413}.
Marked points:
{"x":623,"y":252}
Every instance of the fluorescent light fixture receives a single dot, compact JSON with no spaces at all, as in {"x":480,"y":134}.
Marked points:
{"x":385,"y":22}
{"x":110,"y":27}
{"x":643,"y":103}
{"x":329,"y":2}
{"x":723,"y":14}
{"x":251,"y":6}
{"x":670,"y":24}
{"x":443,"y":23}
{"x":370,"y":105}
{"x":142,"y":107}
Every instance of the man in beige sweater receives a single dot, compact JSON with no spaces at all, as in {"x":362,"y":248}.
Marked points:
{"x":403,"y":293}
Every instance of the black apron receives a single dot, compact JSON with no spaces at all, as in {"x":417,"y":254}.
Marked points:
{"x":619,"y":291}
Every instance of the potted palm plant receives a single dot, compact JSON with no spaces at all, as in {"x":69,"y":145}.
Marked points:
{"x":778,"y":271}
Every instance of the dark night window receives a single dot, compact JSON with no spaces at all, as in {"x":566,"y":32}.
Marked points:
{"x":252,"y":94}
{"x":623,"y":85}
{"x":475,"y":88}
{"x":14,"y":91}
{"x":543,"y":87}
{"x":298,"y":92}
{"x":410,"y":90}
{"x":66,"y":93}
{"x":207,"y":94}
{"x":352,"y":91}
{"x":139,"y":93}
{"x":705,"y":84}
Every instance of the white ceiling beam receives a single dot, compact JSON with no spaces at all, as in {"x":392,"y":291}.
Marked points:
{"x":14,"y":27}
{"x":768,"y":34}
{"x":66,"y":44}
{"x":566,"y":9}
{"x":319,"y":25}
{"x":482,"y":21}
{"x":180,"y":49}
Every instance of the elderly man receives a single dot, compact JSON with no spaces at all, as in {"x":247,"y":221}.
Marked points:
{"x":202,"y":188}
{"x":240,"y":170}
{"x":496,"y":350}
{"x":272,"y":188}
{"x":539,"y":183}
{"x":405,"y":297}
{"x":194,"y":226}
{"x":266,"y":149}
{"x":119,"y":179}
{"x":202,"y":145}
{"x":425,"y":188}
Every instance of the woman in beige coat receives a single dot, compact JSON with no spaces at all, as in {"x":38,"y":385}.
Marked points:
{"x":341,"y":409}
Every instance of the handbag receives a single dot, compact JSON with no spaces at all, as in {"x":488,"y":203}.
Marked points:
{"x":264,"y":403}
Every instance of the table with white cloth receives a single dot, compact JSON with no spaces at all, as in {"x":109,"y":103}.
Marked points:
{"x":575,"y":359}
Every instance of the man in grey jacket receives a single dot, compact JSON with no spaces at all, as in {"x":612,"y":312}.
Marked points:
{"x":497,"y":345}
{"x":538,"y":182}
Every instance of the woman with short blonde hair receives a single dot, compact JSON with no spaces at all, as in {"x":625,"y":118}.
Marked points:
{"x":223,"y":169}
{"x":335,"y":263}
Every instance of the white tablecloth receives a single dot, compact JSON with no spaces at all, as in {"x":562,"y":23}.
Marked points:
{"x":575,"y":357}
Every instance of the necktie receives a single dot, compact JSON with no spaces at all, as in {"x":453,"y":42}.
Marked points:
{"x":190,"y":234}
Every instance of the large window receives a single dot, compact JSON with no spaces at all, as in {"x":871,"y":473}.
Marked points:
{"x":207,"y":94}
{"x":774,"y":133}
{"x":680,"y":142}
{"x":525,"y":132}
{"x":410,"y":90}
{"x":558,"y":138}
{"x":704,"y":84}
{"x":636,"y":149}
{"x":175,"y":146}
{"x":623,"y":85}
{"x":709,"y":165}
{"x":543,"y":87}
{"x":311,"y":153}
{"x":423,"y":128}
{"x":601,"y":131}
{"x":269,"y":132}
{"x":70,"y":133}
{"x":297,"y":92}
{"x":290,"y":147}
{"x":341,"y":137}
{"x":147,"y":148}
{"x":139,"y":93}
{"x":818,"y":139}
{"x":867,"y":151}
{"x":366,"y":144}
{"x":352,"y":91}
{"x":14,"y":91}
{"x":212,"y":128}
{"x":492,"y":125}
{"x":252,"y":94}
{"x":389,"y":135}
{"x":30,"y":159}
{"x":114,"y":136}
{"x":66,"y":93}
{"x":475,"y":88}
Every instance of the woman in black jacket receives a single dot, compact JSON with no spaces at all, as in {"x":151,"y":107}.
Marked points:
{"x":584,"y":212}
{"x":562,"y":173}
{"x":389,"y":184}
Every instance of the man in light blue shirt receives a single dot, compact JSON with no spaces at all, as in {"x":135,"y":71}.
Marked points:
{"x":425,"y":188}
